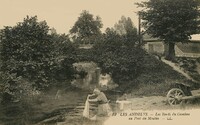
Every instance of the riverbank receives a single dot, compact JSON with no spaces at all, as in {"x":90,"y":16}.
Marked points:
{"x":42,"y":107}
{"x":138,"y":104}
{"x":64,"y":105}
{"x":54,"y":106}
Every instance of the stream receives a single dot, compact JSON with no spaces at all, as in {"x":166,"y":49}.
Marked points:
{"x":46,"y":110}
{"x":74,"y":117}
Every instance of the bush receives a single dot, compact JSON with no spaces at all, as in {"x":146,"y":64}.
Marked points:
{"x":64,"y":55}
{"x":26,"y":50}
{"x":31,"y":53}
{"x":117,"y":58}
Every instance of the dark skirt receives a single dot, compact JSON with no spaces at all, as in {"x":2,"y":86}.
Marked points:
{"x":103,"y":110}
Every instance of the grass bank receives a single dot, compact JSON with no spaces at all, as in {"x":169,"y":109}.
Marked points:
{"x":156,"y":78}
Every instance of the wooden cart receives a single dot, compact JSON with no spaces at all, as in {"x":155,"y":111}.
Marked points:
{"x":179,"y":94}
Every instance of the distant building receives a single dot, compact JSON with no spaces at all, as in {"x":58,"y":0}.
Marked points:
{"x":154,"y":46}
{"x":190,"y":49}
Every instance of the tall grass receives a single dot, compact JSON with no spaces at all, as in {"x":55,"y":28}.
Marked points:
{"x":156,"y":78}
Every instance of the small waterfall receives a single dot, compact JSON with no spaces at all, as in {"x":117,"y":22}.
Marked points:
{"x":92,"y":74}
{"x":94,"y":78}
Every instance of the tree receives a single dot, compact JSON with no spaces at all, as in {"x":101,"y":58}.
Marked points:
{"x":86,"y":27}
{"x":126,"y":29}
{"x":26,"y":56}
{"x":26,"y":50}
{"x":122,"y":61}
{"x":171,"y":20}
{"x":30,"y":52}
{"x":33,"y":57}
{"x":65,"y":54}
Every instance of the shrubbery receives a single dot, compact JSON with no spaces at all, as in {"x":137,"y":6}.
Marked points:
{"x":118,"y":57}
{"x":31,"y":52}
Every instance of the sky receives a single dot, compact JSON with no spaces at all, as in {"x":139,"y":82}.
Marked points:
{"x":62,"y":14}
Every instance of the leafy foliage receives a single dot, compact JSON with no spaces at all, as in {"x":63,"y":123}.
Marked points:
{"x":118,"y":58}
{"x":127,"y":30}
{"x":171,"y":20}
{"x":86,"y":28}
{"x":64,"y":55}
{"x":30,"y":52}
{"x":26,"y":50}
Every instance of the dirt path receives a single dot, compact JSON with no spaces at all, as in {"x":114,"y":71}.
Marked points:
{"x":154,"y":105}
{"x":176,"y":68}
{"x":157,"y":103}
{"x":150,"y":103}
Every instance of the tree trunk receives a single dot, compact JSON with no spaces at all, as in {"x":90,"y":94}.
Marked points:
{"x":171,"y":52}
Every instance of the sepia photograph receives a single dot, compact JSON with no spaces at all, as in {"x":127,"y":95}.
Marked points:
{"x":99,"y":62}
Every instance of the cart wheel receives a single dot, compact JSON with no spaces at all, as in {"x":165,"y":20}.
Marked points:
{"x":174,"y":96}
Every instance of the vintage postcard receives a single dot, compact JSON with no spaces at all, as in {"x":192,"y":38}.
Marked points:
{"x":99,"y":62}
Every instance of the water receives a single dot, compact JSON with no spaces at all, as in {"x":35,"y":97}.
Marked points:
{"x":45,"y":109}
